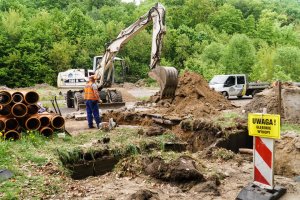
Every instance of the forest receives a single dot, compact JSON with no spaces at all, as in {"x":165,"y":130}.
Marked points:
{"x":39,"y":38}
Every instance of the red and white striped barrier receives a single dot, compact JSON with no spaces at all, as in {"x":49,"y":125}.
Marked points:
{"x":264,"y":162}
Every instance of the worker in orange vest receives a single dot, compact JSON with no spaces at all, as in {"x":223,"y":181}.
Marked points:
{"x":91,"y":96}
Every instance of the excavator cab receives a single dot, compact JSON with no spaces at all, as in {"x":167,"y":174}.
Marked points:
{"x":118,"y":74}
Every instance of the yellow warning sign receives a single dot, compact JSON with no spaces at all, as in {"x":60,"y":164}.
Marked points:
{"x":264,"y":125}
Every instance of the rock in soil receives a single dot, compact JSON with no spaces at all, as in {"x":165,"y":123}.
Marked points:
{"x":144,"y":195}
{"x":209,"y":188}
{"x":154,"y":131}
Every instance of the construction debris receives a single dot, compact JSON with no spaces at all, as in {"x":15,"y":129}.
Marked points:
{"x":19,"y":113}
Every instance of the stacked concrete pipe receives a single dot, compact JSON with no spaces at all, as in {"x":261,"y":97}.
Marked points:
{"x":19,"y":113}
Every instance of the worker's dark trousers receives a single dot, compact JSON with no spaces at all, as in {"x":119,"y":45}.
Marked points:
{"x":92,"y":109}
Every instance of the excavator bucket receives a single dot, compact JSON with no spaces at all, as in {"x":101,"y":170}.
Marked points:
{"x":167,"y":77}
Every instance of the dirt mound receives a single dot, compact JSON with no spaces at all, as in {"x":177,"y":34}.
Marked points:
{"x":287,"y":157}
{"x":290,"y":104}
{"x":265,"y":99}
{"x":193,"y":97}
{"x":181,"y":170}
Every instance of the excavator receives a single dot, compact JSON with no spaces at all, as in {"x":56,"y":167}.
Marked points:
{"x":103,"y":66}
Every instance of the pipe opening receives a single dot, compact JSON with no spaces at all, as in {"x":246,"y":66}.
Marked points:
{"x":11,"y":124}
{"x":5,"y":97}
{"x":32,"y":109}
{"x":31,"y":97}
{"x":2,"y":125}
{"x":58,"y":122}
{"x":17,"y":97}
{"x":45,"y":121}
{"x":19,"y":110}
{"x":46,"y":131}
{"x":6,"y":110}
{"x":12,"y":135}
{"x":32,"y":123}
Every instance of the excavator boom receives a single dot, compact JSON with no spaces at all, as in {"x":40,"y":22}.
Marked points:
{"x":167,"y":77}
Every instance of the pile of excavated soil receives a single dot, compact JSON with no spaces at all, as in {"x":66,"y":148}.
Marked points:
{"x":290,"y":104}
{"x":194,"y":98}
{"x":181,"y":170}
{"x":287,"y":157}
{"x":265,"y":99}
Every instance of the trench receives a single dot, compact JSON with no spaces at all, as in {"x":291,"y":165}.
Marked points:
{"x":84,"y":164}
{"x":96,"y":167}
{"x":236,"y":141}
{"x":196,"y":136}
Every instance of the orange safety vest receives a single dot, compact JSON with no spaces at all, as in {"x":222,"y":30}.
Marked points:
{"x":89,"y":93}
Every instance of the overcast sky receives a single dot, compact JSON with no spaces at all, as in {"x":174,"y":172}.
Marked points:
{"x":136,"y":1}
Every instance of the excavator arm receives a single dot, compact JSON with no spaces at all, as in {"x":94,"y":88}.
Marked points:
{"x":165,"y":76}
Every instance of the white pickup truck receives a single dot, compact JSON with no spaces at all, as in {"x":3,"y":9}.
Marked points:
{"x":236,"y":85}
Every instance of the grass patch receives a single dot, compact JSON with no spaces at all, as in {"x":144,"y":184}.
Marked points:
{"x":290,"y":127}
{"x":48,"y":104}
{"x":228,"y":119}
{"x":28,"y":159}
{"x":31,"y":158}
{"x":143,"y":98}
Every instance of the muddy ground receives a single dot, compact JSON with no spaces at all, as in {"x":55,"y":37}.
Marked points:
{"x":211,"y":166}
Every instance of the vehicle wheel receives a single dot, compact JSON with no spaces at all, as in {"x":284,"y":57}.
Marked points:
{"x":225,"y":94}
{"x":102,"y":95}
{"x":78,"y":99}
{"x":254,"y":93}
{"x":116,"y":96}
{"x":69,"y":99}
{"x":239,"y":97}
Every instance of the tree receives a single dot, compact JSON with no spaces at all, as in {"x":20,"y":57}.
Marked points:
{"x":264,"y":69}
{"x":250,"y":28}
{"x":12,"y":24}
{"x":266,"y":26}
{"x":198,"y":11}
{"x":208,"y":70}
{"x":228,"y":19}
{"x":77,"y":24}
{"x":239,"y":55}
{"x":213,"y":53}
{"x":288,"y":58}
{"x":61,"y":55}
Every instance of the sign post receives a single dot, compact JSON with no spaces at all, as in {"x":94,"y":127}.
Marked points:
{"x":264,"y":128}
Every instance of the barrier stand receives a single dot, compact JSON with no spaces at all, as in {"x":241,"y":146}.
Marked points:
{"x":264,"y":128}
